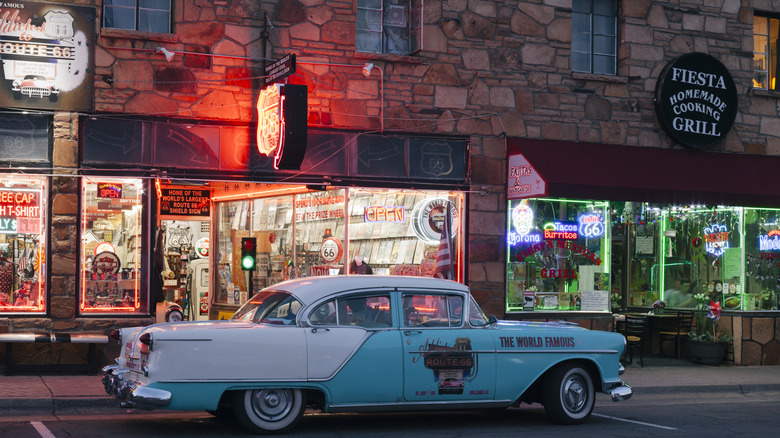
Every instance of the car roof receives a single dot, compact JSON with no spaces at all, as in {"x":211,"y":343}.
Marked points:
{"x":310,"y":289}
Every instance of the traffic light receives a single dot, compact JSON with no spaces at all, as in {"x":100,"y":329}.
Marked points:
{"x":248,"y":253}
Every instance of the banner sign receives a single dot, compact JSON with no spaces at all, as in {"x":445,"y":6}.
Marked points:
{"x":47,"y":55}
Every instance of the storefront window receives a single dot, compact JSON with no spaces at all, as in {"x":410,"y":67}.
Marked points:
{"x":22,"y":245}
{"x":558,"y":255}
{"x":702,"y":254}
{"x":112,"y":244}
{"x":327,"y":232}
{"x":762,"y":261}
{"x":396,"y":232}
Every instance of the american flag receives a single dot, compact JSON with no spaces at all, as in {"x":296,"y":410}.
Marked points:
{"x":443,"y":267}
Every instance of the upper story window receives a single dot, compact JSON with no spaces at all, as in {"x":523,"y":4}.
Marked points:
{"x":389,"y":26}
{"x":766,"y":38}
{"x":140,"y":15}
{"x":594,"y":36}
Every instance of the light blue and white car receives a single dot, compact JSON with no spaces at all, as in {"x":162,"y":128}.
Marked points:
{"x":363,"y":343}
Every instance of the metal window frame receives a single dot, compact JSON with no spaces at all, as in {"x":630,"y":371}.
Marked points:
{"x":137,"y":8}
{"x":414,"y":7}
{"x":592,"y":33}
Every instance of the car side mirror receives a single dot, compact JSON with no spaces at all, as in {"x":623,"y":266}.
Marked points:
{"x":492,"y":319}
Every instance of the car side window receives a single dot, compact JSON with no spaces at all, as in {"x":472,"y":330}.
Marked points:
{"x":365,"y":311}
{"x":324,"y":314}
{"x":427,"y":310}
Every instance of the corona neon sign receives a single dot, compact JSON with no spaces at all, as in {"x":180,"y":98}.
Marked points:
{"x":716,"y":239}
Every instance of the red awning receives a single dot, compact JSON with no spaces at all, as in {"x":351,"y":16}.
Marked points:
{"x":626,"y":173}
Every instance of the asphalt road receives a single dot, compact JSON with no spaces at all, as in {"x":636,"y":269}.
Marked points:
{"x":659,"y":416}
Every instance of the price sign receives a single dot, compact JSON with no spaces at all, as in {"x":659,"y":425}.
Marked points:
{"x":331,"y":250}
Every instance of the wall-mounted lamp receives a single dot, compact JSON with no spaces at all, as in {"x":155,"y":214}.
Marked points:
{"x":367,"y":67}
{"x":168,"y":54}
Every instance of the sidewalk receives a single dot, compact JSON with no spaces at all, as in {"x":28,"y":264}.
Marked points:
{"x":57,"y":394}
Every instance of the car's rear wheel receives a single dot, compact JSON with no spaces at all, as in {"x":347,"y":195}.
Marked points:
{"x":567,"y":395}
{"x":269,"y":410}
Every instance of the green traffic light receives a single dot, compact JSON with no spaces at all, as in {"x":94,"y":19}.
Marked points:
{"x":248,"y":263}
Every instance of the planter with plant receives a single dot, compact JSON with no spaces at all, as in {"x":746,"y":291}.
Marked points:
{"x":705,"y":344}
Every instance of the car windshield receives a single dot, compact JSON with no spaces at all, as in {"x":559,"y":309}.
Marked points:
{"x":269,"y":307}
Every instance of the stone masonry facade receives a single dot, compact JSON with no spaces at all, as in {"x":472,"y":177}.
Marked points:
{"x":488,"y":70}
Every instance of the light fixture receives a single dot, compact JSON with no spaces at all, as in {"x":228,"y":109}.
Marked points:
{"x":367,"y":67}
{"x":168,"y":54}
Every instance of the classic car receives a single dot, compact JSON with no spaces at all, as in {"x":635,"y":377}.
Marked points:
{"x":35,"y":86}
{"x":363,"y":343}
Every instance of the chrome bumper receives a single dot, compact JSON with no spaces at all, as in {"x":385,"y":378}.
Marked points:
{"x":620,"y":392}
{"x":132,"y":394}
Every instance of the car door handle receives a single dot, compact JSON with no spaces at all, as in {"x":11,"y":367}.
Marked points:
{"x":314,"y":330}
{"x":409,"y":332}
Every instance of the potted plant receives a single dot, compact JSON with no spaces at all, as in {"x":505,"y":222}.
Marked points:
{"x":658,"y":307}
{"x":706,"y":346}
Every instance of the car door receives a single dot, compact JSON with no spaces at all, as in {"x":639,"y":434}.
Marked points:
{"x":445,"y":359}
{"x":353,"y":347}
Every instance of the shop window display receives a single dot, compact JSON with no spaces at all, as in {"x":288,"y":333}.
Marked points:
{"x":112,"y":244}
{"x":558,"y":255}
{"x":22,"y":246}
{"x":311,"y":233}
{"x":702,"y":253}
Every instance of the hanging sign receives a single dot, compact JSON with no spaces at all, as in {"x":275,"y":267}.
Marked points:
{"x":696,"y":100}
{"x":524,"y":181}
{"x":282,"y":124}
{"x":184,"y":202}
{"x":280,"y":69}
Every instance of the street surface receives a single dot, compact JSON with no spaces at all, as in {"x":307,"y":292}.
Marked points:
{"x":705,"y":415}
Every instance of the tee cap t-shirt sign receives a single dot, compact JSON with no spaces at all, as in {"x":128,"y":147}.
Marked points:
{"x":696,"y":100}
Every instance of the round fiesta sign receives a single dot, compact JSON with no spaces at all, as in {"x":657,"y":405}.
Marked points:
{"x":696,"y":100}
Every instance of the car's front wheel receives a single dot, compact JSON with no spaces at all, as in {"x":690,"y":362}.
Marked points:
{"x":568,"y":395}
{"x":269,"y":410}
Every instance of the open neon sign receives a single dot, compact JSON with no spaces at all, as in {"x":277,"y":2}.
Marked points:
{"x":716,"y":239}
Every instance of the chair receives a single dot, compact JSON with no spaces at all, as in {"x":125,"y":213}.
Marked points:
{"x":634,"y":332}
{"x":684,"y":323}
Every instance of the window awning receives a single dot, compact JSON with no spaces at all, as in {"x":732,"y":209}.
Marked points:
{"x":627,"y":173}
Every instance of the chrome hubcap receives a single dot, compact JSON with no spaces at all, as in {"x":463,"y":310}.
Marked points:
{"x":272,"y":404}
{"x":575,"y":394}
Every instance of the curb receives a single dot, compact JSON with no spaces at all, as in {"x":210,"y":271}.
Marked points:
{"x":27,"y":406}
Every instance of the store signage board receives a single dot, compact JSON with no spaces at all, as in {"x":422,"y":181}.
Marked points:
{"x":185,"y":202}
{"x":20,"y":211}
{"x":524,"y":181}
{"x":696,"y":100}
{"x":47,"y":56}
{"x":280,"y":69}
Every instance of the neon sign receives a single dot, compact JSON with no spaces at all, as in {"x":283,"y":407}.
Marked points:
{"x":522,"y":218}
{"x":560,"y":230}
{"x":385,"y":214}
{"x":270,"y":123}
{"x":769,"y":241}
{"x":513,"y":238}
{"x":591,"y":225}
{"x":109,"y":190}
{"x":716,"y":239}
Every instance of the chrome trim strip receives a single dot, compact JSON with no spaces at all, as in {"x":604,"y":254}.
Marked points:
{"x":521,"y":351}
{"x":242,"y":381}
{"x":481,"y":404}
{"x":176,"y":340}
